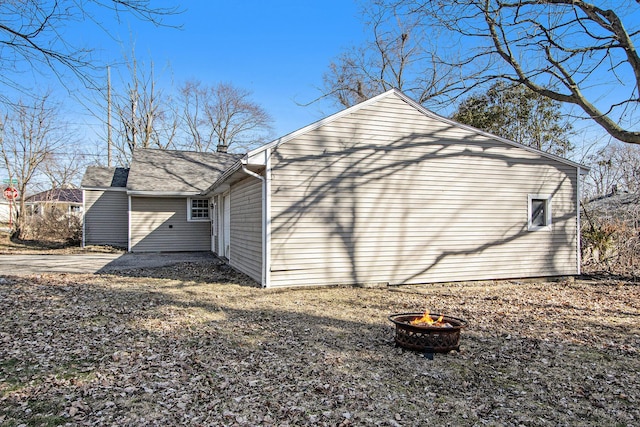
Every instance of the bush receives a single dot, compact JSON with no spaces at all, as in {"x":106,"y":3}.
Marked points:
{"x":611,"y":237}
{"x":54,"y":226}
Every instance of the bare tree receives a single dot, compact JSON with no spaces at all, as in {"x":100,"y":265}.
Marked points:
{"x":400,"y":54}
{"x":223,"y":115}
{"x":576,"y":52}
{"x":29,"y":136}
{"x":614,"y":168}
{"x":143,"y":113}
{"x":32,"y":35}
{"x":200,"y":135}
{"x":64,"y":170}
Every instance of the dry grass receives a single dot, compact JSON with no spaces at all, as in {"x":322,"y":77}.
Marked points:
{"x":116,"y":350}
{"x":8,"y":247}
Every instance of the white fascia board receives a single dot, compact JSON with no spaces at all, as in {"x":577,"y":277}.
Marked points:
{"x":221,"y":188}
{"x":163,"y":193}
{"x":214,"y":188}
{"x":255,"y":158}
{"x":104,"y":188}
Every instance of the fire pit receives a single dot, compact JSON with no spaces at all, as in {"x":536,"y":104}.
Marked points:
{"x":421,"y":332}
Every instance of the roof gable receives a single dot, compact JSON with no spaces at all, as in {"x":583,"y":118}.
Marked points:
{"x":257,"y":155}
{"x":176,"y":172}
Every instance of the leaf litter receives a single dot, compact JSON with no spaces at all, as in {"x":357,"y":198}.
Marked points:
{"x":154,"y":348}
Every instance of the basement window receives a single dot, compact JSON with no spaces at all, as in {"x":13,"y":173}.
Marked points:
{"x":198,"y":209}
{"x":539,"y":212}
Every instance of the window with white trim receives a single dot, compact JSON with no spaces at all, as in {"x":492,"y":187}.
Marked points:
{"x":539,"y":212}
{"x":198,"y":209}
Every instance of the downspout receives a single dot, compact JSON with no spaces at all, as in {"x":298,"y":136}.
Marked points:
{"x":84,"y":229}
{"x":264,"y":222}
{"x":129,"y":224}
{"x":578,"y":222}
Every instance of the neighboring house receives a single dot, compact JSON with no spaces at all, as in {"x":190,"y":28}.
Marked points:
{"x":4,"y":211}
{"x":388,"y":192}
{"x":106,"y":206}
{"x":383,"y":192}
{"x":64,"y":201}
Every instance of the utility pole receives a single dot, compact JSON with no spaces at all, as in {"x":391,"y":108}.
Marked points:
{"x":109,"y":116}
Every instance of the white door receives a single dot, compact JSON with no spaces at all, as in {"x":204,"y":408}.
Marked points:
{"x":226,"y":225}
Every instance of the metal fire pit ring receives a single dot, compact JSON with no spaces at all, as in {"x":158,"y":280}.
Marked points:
{"x":425,"y":338}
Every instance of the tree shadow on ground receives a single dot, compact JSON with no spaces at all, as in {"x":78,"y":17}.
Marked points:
{"x":131,"y":352}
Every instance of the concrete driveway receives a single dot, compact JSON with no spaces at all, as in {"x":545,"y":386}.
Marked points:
{"x":94,"y":262}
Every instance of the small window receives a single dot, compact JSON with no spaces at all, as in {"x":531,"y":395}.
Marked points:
{"x":198,"y":209}
{"x":539,"y":212}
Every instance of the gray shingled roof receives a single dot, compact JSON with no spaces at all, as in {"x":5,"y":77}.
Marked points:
{"x":176,"y":171}
{"x":103,"y":177}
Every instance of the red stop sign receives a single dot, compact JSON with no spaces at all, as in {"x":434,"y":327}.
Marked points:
{"x":10,"y":193}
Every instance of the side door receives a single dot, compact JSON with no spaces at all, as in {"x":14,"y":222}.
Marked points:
{"x":226,"y":225}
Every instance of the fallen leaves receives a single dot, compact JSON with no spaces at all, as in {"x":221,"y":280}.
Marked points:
{"x":162,"y":350}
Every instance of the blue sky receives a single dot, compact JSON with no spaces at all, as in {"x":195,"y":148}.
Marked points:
{"x":278,"y":49}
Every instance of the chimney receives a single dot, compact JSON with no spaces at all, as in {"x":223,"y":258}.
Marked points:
{"x":222,"y":148}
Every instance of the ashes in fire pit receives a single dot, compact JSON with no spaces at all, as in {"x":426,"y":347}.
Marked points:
{"x":429,"y":333}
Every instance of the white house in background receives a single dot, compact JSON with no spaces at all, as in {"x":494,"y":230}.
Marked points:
{"x":382,"y":192}
{"x":64,"y":201}
{"x":4,"y":211}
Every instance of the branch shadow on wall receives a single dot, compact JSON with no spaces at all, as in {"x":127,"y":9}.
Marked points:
{"x":397,"y":206}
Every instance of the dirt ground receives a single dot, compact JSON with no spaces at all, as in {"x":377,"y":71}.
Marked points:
{"x":198,"y":345}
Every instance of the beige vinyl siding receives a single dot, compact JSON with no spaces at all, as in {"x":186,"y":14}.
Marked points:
{"x":246,"y":227}
{"x":386,"y":194}
{"x":106,"y":218}
{"x":160,"y":225}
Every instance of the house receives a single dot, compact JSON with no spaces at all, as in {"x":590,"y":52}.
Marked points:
{"x":384,"y":192}
{"x":106,"y":207}
{"x":388,"y":192}
{"x":155,"y":205}
{"x":64,"y":201}
{"x":4,"y":211}
{"x":167,"y":211}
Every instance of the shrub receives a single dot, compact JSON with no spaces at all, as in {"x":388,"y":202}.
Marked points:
{"x":54,"y":226}
{"x":611,"y":239}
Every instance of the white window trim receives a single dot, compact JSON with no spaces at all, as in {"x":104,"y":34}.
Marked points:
{"x":189,"y":218}
{"x":548,"y":216}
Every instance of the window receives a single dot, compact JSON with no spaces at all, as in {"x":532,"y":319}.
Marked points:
{"x":198,"y":209}
{"x":539,"y":212}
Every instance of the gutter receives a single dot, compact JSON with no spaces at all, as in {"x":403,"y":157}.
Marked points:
{"x":163,"y":193}
{"x":232,"y":169}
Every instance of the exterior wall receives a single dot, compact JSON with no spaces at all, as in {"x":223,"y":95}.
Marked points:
{"x":246,"y":227}
{"x":4,"y":211}
{"x":106,"y":218}
{"x":388,"y":195}
{"x":159,"y":224}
